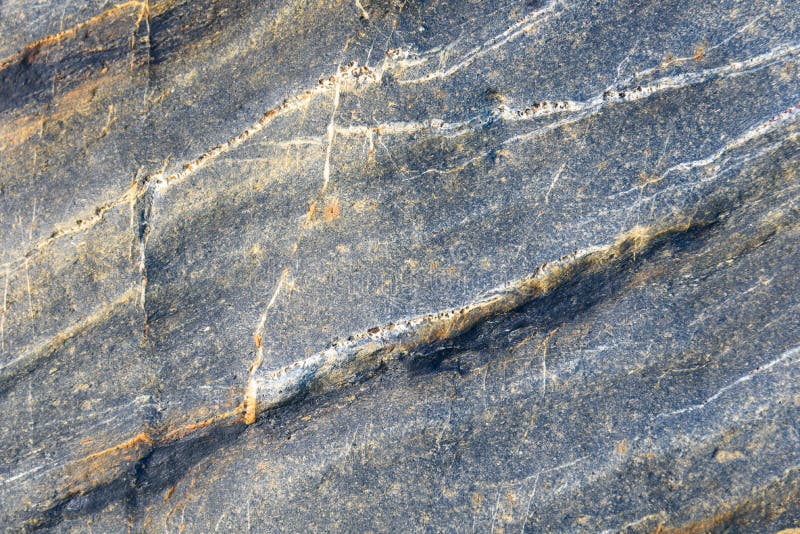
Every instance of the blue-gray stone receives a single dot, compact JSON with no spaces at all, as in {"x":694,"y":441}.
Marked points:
{"x":400,"y":266}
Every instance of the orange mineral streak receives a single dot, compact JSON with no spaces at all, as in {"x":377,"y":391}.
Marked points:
{"x":251,"y":403}
{"x":102,"y":466}
{"x":232,"y":416}
{"x":134,"y":442}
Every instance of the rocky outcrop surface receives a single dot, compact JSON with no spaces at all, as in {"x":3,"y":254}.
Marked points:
{"x":400,"y":266}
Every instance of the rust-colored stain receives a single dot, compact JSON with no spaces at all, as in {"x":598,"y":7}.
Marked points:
{"x":226,"y":418}
{"x":700,"y":51}
{"x":312,"y":209}
{"x":134,"y":442}
{"x":250,"y":406}
{"x":332,"y":210}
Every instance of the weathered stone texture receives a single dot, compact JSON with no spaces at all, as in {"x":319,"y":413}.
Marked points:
{"x":400,"y":266}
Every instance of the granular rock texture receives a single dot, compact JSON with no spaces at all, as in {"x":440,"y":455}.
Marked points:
{"x":400,"y":266}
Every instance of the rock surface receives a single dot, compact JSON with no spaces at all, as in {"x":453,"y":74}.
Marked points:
{"x":400,"y":266}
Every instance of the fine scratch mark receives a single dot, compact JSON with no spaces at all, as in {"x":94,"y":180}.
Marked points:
{"x":28,"y":287}
{"x":737,"y":32}
{"x":485,"y":393}
{"x":530,"y":500}
{"x":27,"y":272}
{"x":110,"y":120}
{"x":219,"y":521}
{"x":556,"y":176}
{"x":33,"y":220}
{"x":326,"y":171}
{"x":63,"y":16}
{"x":545,"y":343}
{"x":30,"y":402}
{"x":3,"y":317}
{"x":21,"y":475}
{"x":494,"y":510}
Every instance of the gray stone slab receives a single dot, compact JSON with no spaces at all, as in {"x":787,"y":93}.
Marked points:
{"x":399,"y":266}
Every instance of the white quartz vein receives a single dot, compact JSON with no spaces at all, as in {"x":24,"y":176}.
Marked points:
{"x":785,"y":356}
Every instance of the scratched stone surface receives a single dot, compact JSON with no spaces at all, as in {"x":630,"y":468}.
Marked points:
{"x":400,"y":266}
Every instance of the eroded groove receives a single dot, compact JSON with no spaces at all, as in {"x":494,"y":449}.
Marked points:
{"x":361,"y":355}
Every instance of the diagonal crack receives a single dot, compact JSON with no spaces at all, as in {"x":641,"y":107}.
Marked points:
{"x":365,"y":353}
